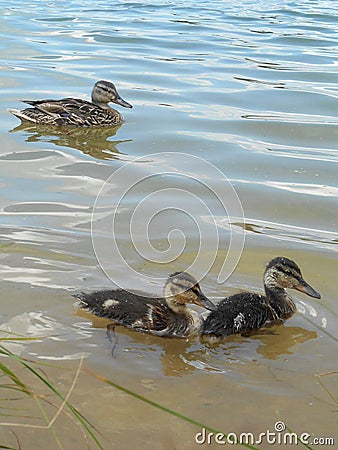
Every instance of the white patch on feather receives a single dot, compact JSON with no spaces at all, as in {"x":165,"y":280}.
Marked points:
{"x":138,"y":323}
{"x":110,"y":302}
{"x":239,"y":320}
{"x":150,"y":314}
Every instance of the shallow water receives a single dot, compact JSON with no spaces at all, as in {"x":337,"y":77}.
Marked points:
{"x":240,"y":94}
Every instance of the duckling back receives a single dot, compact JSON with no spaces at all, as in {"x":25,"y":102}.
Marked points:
{"x":123,"y":307}
{"x":238,"y":314}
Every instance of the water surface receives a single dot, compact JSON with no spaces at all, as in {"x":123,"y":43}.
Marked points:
{"x":250,"y":87}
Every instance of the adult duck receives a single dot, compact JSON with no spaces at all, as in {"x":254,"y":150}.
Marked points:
{"x":76,"y":112}
{"x":168,"y":316}
{"x":246,"y":312}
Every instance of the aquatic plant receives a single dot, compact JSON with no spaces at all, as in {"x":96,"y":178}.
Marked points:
{"x":15,"y":379}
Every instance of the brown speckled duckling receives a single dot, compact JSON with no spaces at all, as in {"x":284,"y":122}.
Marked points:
{"x":167,"y":317}
{"x":245,"y":312}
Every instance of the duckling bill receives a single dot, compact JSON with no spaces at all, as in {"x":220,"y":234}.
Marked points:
{"x":246,"y":312}
{"x":76,"y":112}
{"x":167,"y":317}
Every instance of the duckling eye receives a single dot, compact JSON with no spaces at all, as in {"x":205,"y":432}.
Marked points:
{"x":291,"y":275}
{"x":195,"y":290}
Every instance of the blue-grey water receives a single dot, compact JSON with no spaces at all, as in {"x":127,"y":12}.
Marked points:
{"x":226,"y":95}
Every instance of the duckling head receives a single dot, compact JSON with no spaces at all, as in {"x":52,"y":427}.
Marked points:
{"x":284,"y":273}
{"x":104,"y":92}
{"x":182,"y":288}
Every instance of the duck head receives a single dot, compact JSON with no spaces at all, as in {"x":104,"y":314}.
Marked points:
{"x":283,"y":273}
{"x":105,"y":92}
{"x":182,"y":288}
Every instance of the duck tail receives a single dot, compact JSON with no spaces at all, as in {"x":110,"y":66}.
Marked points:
{"x":21,"y":115}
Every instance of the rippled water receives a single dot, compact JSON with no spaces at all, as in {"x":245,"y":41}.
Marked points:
{"x":251,"y":89}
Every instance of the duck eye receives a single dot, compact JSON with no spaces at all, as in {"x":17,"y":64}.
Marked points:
{"x":195,"y":290}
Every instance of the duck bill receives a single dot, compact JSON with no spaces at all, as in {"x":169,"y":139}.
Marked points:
{"x":205,"y":303}
{"x":119,"y":101}
{"x":304,"y":287}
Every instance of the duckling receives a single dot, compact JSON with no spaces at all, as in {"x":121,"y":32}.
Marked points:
{"x":245,"y":312}
{"x":76,"y":112}
{"x":168,"y":316}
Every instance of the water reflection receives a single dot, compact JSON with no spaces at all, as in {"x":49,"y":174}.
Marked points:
{"x":266,"y":64}
{"x":173,"y":355}
{"x":272,"y":343}
{"x":90,"y":141}
{"x":279,"y":341}
{"x":274,"y":84}
{"x":179,"y":357}
{"x":175,"y":359}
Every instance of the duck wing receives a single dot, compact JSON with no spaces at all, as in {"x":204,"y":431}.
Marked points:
{"x":86,"y":114}
{"x":70,"y":111}
{"x":239,"y":314}
{"x":54,"y":107}
{"x":134,"y":310}
{"x":63,"y":109}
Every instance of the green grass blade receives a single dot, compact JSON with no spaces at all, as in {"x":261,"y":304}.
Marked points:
{"x":43,"y":412}
{"x":84,"y":422}
{"x":6,"y":371}
{"x":8,"y":448}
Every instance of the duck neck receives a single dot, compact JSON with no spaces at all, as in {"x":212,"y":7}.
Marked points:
{"x":100,"y":104}
{"x":280,"y":301}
